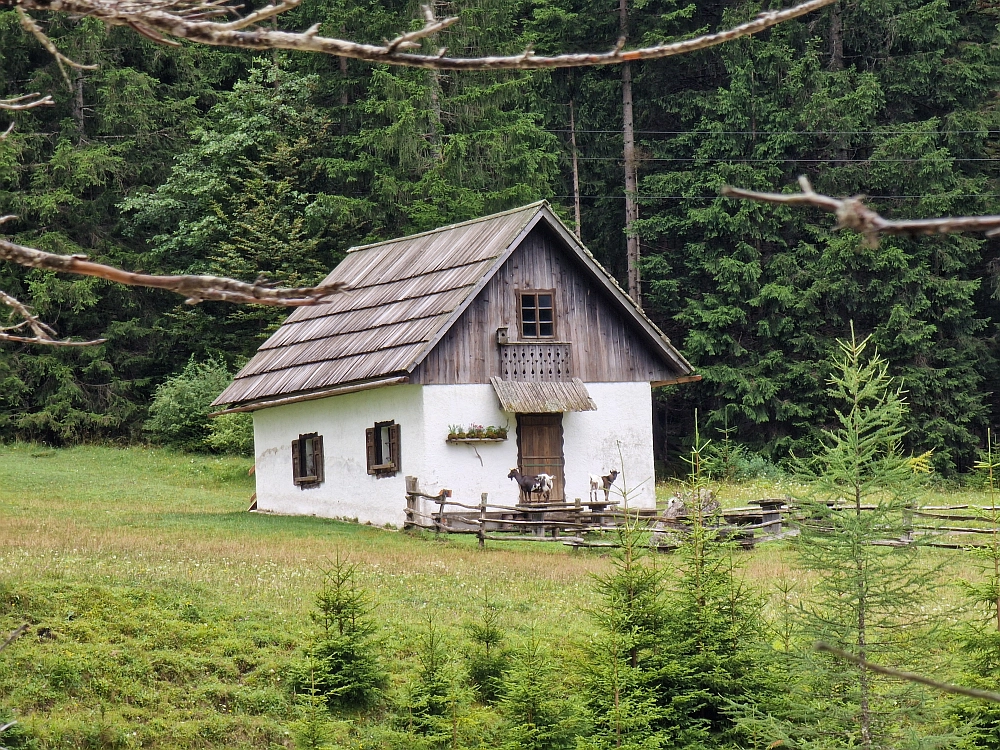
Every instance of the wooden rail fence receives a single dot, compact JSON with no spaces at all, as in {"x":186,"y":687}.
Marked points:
{"x":584,"y":524}
{"x":568,"y":523}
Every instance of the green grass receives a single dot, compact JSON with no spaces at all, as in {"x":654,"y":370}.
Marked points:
{"x":163,"y":615}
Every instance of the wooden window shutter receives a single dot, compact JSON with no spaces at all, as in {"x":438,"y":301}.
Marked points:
{"x":370,"y":449}
{"x":318,"y":457}
{"x":296,"y":472}
{"x":394,"y":446}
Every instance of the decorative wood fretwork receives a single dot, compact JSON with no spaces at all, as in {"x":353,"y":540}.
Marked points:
{"x":536,"y":362}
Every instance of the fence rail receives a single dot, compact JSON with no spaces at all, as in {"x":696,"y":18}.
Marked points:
{"x":569,"y":523}
{"x":583,"y":524}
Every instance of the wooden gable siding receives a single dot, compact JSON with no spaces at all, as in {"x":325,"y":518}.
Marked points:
{"x":605,"y":348}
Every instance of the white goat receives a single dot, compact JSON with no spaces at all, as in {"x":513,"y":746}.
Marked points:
{"x":599,"y":482}
{"x":544,"y":485}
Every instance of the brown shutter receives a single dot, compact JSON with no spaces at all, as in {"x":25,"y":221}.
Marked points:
{"x":318,"y":457}
{"x":296,"y":474}
{"x":370,"y":449}
{"x":394,"y":446}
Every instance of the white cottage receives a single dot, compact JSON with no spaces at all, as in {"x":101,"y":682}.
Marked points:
{"x":506,"y":322}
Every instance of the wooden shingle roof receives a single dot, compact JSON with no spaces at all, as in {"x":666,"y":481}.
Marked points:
{"x":403,"y":295}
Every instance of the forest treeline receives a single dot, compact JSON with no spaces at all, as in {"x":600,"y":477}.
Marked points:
{"x":207,"y":160}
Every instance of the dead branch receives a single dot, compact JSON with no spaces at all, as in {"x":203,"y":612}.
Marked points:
{"x":28,"y":24}
{"x":43,"y":332}
{"x":852,"y":213}
{"x":25,"y":101}
{"x":944,"y":687}
{"x":195,"y":288}
{"x":187,"y":19}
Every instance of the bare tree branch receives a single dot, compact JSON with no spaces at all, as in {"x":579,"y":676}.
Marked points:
{"x":166,"y":21}
{"x":28,"y":24}
{"x":43,"y":332}
{"x":944,"y":687}
{"x":25,"y":101}
{"x":184,"y":19}
{"x":852,"y":213}
{"x":195,"y":288}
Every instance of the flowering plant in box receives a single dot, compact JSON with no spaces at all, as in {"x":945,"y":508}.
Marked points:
{"x":476,"y":431}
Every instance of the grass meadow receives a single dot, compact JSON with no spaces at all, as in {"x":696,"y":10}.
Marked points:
{"x":164,"y":615}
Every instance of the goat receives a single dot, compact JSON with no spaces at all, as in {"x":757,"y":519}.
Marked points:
{"x":606,"y":481}
{"x":595,"y":485}
{"x":530,"y":483}
{"x":545,"y":485}
{"x":525,"y":482}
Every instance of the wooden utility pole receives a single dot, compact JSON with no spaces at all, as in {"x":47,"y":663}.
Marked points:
{"x":631,"y":175}
{"x":576,"y":169}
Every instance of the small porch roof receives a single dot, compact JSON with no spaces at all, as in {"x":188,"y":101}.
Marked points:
{"x":521,"y":397}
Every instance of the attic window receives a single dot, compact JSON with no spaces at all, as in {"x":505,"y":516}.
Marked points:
{"x":538,"y":314}
{"x":307,"y":460}
{"x":382,"y":447}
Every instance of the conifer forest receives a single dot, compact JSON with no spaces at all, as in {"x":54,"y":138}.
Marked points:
{"x":200,"y":159}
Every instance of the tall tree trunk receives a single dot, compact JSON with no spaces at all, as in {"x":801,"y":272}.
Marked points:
{"x":631,"y":177}
{"x":836,"y":37}
{"x":576,"y":170}
{"x":344,"y":95}
{"x":77,"y":106}
{"x":436,"y":128}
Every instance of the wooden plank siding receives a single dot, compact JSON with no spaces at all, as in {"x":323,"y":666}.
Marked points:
{"x":605,"y":347}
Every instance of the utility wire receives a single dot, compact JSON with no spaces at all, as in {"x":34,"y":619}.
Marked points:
{"x":713,"y":197}
{"x":786,"y":132}
{"x":831,"y":160}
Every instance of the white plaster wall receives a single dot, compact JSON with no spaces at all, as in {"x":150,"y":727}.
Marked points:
{"x":467,"y":469}
{"x":591,"y":442}
{"x":348,"y":490}
{"x":590,"y":446}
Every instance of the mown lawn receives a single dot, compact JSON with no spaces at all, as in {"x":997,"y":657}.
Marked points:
{"x":163,"y":615}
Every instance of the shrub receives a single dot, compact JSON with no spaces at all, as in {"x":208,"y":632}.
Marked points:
{"x":178,"y":416}
{"x":231,"y":433}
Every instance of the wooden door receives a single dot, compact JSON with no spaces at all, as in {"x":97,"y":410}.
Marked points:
{"x":540,"y":449}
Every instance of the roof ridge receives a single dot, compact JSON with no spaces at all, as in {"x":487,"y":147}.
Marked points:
{"x":537,"y":204}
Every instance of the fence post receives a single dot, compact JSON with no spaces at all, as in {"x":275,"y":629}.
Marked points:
{"x":441,"y":500}
{"x":482,"y":521}
{"x":411,"y":502}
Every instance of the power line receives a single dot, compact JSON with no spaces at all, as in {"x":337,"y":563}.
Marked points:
{"x":785,"y":132}
{"x":713,"y":197}
{"x":831,"y":160}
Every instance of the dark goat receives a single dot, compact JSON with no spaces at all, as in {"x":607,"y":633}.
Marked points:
{"x":531,"y":483}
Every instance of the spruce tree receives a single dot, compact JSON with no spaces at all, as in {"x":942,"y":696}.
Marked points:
{"x":619,"y":668}
{"x":342,"y":664}
{"x":435,"y":700}
{"x":490,"y":656}
{"x":981,"y":639}
{"x":871,"y":581}
{"x":712,"y":655}
{"x":538,"y":712}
